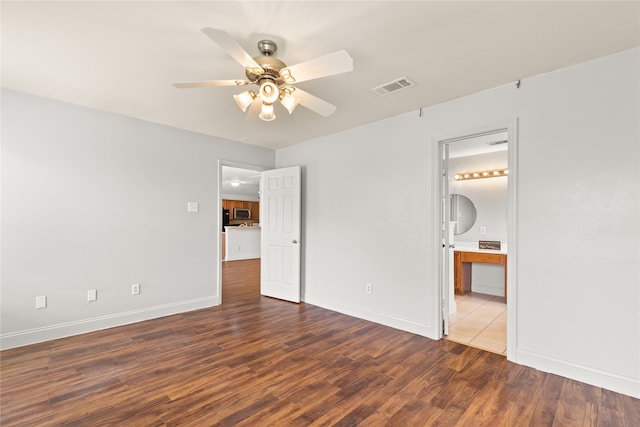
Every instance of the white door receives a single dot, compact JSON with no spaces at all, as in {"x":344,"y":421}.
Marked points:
{"x":445,"y":270}
{"x":280,"y":222}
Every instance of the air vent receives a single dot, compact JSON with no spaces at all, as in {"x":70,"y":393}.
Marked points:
{"x":397,"y":85}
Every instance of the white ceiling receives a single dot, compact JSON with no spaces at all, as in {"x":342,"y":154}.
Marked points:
{"x":123,"y":56}
{"x":248,"y":180}
{"x":481,"y":144}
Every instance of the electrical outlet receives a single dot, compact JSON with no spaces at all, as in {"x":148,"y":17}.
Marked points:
{"x":483,"y":231}
{"x":369,"y":288}
{"x":92,"y":295}
{"x":135,"y":289}
{"x":41,"y":301}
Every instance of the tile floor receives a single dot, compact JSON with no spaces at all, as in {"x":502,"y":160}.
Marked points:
{"x":480,"y":321}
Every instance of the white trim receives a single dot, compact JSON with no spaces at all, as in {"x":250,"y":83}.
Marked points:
{"x":595,"y":377}
{"x":422,"y":329}
{"x":241,"y":257}
{"x":61,"y":330}
{"x":512,"y":244}
{"x":437,"y":263}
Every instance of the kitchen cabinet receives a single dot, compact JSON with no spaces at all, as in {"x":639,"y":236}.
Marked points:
{"x":243,"y":204}
{"x":224,"y":245}
{"x":255,"y":211}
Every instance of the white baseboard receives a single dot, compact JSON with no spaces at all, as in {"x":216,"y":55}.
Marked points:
{"x":381,"y":318}
{"x":595,"y":377}
{"x":240,"y":257}
{"x":46,"y":333}
{"x":607,"y":380}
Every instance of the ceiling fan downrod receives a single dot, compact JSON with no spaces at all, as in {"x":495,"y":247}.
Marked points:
{"x":267,"y":47}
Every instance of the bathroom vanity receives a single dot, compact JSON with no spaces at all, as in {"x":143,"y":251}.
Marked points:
{"x":462,"y":260}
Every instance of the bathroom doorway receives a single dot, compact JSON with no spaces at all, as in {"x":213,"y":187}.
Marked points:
{"x":478,"y":207}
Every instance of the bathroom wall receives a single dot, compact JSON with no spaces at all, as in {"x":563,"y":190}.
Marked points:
{"x":489,"y":195}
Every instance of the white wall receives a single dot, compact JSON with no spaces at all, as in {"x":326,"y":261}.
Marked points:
{"x":242,"y":243}
{"x":93,"y":200}
{"x":370,"y":208}
{"x":367,"y":218}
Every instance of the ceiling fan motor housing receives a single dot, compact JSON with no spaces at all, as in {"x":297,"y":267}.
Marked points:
{"x":271,"y":66}
{"x":269,"y":63}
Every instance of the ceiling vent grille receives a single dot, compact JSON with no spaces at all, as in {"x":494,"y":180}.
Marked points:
{"x":396,"y":85}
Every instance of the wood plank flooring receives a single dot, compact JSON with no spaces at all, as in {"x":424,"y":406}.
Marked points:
{"x":256,"y":361}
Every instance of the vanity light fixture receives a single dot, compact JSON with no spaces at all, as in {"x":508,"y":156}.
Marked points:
{"x":494,"y":173}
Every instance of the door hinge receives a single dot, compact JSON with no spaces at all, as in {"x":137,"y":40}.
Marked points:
{"x":444,"y":172}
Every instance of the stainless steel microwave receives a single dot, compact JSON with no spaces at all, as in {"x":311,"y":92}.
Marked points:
{"x":240,"y":213}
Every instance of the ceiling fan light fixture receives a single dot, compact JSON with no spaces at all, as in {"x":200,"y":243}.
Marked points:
{"x":244,"y":99}
{"x":289,"y":101}
{"x":267,"y":113}
{"x":269,"y":92}
{"x":273,"y":77}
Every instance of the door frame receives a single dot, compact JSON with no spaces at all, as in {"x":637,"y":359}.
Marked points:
{"x":218,"y":239}
{"x":511,"y":127}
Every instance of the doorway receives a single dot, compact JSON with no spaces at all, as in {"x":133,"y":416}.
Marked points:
{"x":276,"y":242}
{"x":478,"y":221}
{"x":239,"y":205}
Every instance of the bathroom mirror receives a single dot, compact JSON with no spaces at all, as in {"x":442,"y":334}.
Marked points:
{"x":463,"y":213}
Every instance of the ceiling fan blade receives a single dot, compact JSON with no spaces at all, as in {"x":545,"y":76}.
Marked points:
{"x":314,"y":103}
{"x":233,"y":48}
{"x":209,"y":83}
{"x":323,"y":66}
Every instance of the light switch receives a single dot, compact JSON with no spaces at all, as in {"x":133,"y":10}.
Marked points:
{"x":41,"y":302}
{"x":92,"y":295}
{"x":483,"y":231}
{"x":192,"y":207}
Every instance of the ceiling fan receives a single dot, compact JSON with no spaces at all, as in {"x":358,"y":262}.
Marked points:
{"x":274,"y":78}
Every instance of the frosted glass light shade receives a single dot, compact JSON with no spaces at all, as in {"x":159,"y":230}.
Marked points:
{"x":289,"y":102}
{"x":267,"y":113}
{"x":269,"y":92}
{"x":244,"y":99}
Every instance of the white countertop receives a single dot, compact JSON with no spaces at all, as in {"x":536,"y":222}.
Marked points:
{"x":473,"y":247}
{"x":235,"y":227}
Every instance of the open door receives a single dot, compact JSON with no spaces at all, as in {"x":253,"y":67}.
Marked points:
{"x":280,"y":223}
{"x":447,"y":254}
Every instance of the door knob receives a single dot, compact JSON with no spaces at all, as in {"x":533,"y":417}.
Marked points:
{"x":452,"y":245}
{"x":294,"y":241}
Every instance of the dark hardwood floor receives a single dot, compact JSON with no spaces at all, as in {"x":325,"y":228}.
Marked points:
{"x":258,"y":361}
